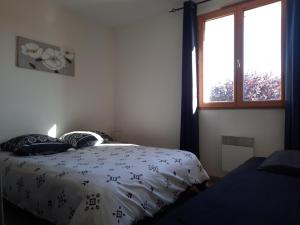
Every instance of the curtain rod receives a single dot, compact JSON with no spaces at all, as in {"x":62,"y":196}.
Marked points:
{"x":178,"y":9}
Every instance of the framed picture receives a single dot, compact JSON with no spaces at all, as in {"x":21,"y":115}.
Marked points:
{"x":36,"y":55}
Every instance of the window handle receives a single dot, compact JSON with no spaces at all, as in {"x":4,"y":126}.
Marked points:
{"x":238,"y":63}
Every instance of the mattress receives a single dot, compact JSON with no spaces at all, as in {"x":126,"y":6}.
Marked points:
{"x":244,"y":197}
{"x":103,"y":185}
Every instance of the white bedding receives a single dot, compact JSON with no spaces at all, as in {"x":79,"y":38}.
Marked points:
{"x":104,"y":185}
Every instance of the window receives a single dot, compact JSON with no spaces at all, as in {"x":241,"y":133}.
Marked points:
{"x":241,"y":56}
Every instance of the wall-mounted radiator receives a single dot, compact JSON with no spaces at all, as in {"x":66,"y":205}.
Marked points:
{"x":235,"y":151}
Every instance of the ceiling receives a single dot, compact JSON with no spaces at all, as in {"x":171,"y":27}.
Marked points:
{"x":119,"y":12}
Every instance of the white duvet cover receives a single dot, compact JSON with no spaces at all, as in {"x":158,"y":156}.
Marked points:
{"x":104,"y":185}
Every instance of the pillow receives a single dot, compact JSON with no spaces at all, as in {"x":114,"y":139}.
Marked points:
{"x":106,"y":137}
{"x":283,"y":162}
{"x":34,"y":144}
{"x":80,"y":139}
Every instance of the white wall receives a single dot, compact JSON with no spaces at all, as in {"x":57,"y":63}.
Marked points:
{"x":265,"y":125}
{"x":33,"y":101}
{"x":148,"y":82}
{"x":148,"y":95}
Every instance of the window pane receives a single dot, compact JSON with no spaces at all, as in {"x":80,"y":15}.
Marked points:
{"x":218,"y":60}
{"x":262,"y":53}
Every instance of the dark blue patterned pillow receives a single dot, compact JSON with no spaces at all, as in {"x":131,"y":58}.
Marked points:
{"x":106,"y":137}
{"x":34,"y":144}
{"x":80,"y":139}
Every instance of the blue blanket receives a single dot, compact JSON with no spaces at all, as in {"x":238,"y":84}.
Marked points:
{"x":244,"y":197}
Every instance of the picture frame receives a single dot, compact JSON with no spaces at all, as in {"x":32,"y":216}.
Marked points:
{"x":44,"y":57}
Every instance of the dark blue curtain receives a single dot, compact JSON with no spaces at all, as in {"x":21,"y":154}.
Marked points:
{"x":189,"y":134}
{"x":292,"y":84}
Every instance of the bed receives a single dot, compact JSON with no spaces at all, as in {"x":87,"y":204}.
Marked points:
{"x":99,"y":185}
{"x":244,"y":197}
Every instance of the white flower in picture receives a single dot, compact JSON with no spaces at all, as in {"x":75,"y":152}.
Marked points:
{"x":53,"y":59}
{"x":32,"y":50}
